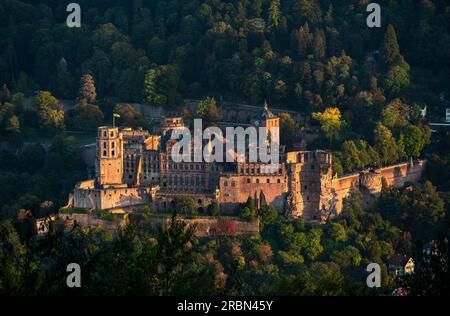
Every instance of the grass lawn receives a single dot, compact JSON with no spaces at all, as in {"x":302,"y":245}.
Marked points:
{"x":77,"y":138}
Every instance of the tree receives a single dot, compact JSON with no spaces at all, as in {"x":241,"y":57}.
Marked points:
{"x":87,"y":93}
{"x":129,"y":116}
{"x":179,"y":270}
{"x":207,"y":110}
{"x":350,"y":156}
{"x":350,"y":256}
{"x":314,"y":248}
{"x":213,"y":208}
{"x":268,"y":214}
{"x":385,"y":144}
{"x":319,"y":46}
{"x":396,"y":80}
{"x":5,"y":94}
{"x":287,"y":129}
{"x":87,"y":117}
{"x":274,"y":13}
{"x":337,"y":232}
{"x":330,"y":122}
{"x":248,"y":209}
{"x":418,"y":209}
{"x":413,"y":140}
{"x":161,"y":86}
{"x":49,"y":112}
{"x":390,"y":51}
{"x":185,"y":205}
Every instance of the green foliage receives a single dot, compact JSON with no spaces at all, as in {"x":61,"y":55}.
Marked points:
{"x":160,"y":86}
{"x":49,"y":112}
{"x":419,"y":209}
{"x":396,"y":80}
{"x":274,"y":13}
{"x":129,"y":117}
{"x":214,"y":209}
{"x":385,"y":144}
{"x":330,"y":122}
{"x":248,"y":210}
{"x":207,"y":110}
{"x":390,"y":49}
{"x":268,"y":214}
{"x":86,"y":117}
{"x":185,"y":205}
{"x":288,"y":127}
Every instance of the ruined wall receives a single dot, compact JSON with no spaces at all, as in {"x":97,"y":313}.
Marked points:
{"x":86,"y":196}
{"x":208,"y":227}
{"x":165,"y":202}
{"x":309,"y":184}
{"x":264,"y":189}
{"x":369,"y":182}
{"x":86,"y":220}
{"x":341,"y":188}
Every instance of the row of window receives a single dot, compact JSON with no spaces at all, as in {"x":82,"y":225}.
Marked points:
{"x":259,"y":170}
{"x":233,"y":184}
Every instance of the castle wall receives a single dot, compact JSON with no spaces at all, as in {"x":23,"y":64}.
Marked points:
{"x":370,"y":181}
{"x":342,"y":187}
{"x":165,"y":202}
{"x":86,"y":196}
{"x":208,"y":227}
{"x":235,"y":189}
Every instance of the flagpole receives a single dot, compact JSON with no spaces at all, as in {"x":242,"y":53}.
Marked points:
{"x":114,"y":120}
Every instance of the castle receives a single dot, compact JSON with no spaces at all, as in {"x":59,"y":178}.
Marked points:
{"x":134,"y":167}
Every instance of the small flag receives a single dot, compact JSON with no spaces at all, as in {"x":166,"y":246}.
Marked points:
{"x":116,"y":115}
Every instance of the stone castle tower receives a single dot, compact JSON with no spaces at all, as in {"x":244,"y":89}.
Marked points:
{"x":309,"y":182}
{"x":109,"y":156}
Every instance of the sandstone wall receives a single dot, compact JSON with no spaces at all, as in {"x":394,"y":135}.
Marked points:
{"x":236,"y":189}
{"x":341,"y":188}
{"x":86,"y":220}
{"x":369,"y":182}
{"x":107,"y":198}
{"x":208,"y":227}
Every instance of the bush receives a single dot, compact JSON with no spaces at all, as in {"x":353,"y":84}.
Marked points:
{"x":213,"y":209}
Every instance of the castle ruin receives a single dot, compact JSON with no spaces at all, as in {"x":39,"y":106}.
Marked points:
{"x":134,"y":167}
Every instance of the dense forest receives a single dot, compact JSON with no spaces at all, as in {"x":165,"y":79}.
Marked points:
{"x":305,"y":54}
{"x":362,"y":87}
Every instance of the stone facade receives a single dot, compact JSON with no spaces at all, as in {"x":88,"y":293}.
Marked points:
{"x":134,"y":167}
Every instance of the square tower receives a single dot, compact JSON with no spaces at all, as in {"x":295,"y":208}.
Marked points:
{"x":109,"y":156}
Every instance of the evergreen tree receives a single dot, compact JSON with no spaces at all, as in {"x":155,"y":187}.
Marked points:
{"x":390,"y":50}
{"x":320,"y":46}
{"x":274,"y":13}
{"x":87,"y":92}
